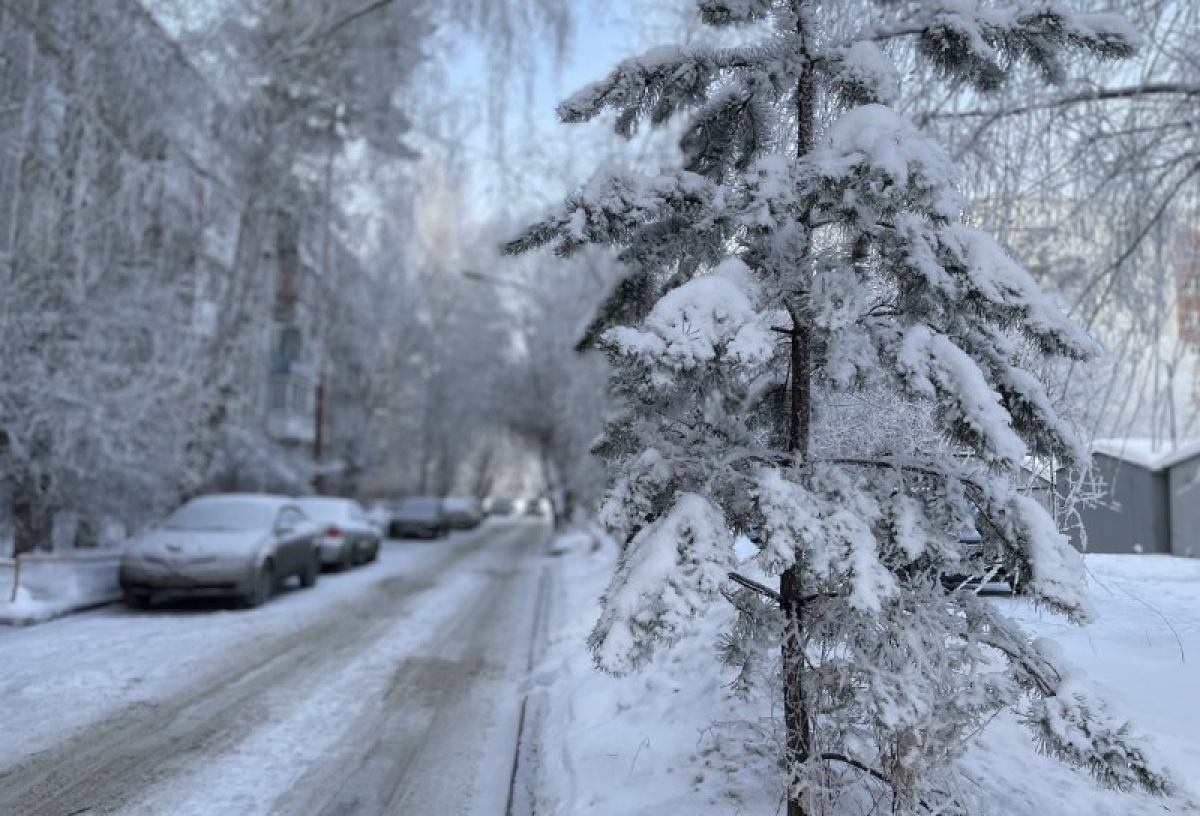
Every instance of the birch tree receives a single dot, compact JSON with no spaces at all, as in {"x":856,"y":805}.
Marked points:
{"x":311,"y":77}
{"x":554,"y":395}
{"x":1093,"y":183}
{"x":104,"y":218}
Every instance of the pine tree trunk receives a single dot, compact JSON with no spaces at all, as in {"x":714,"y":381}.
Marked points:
{"x":796,"y":714}
{"x":795,"y":704}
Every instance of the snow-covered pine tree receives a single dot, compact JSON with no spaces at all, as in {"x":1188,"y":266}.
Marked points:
{"x":811,"y":250}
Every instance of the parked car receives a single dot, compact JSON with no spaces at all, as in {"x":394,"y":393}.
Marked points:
{"x":347,"y":537}
{"x":462,"y":512}
{"x":536,"y":507}
{"x":417,"y":517}
{"x":499,"y":506}
{"x":379,"y":515}
{"x":984,"y":560}
{"x":234,"y":545}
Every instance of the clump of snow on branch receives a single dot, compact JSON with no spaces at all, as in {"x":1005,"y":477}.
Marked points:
{"x":699,"y":320}
{"x":885,"y":154}
{"x":669,"y":573}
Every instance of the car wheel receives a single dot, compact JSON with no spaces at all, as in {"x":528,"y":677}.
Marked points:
{"x":137,"y":600}
{"x":374,"y":554}
{"x":1019,"y":581}
{"x":346,"y":559}
{"x":264,"y":585}
{"x":311,"y":572}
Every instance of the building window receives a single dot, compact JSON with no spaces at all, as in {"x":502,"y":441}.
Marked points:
{"x":278,"y":394}
{"x":289,"y":343}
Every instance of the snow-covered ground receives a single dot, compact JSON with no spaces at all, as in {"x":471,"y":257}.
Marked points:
{"x":311,"y":703}
{"x":394,"y":687}
{"x":670,"y":740}
{"x":41,"y":586}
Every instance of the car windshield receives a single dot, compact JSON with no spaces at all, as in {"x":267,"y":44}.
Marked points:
{"x":327,"y":509}
{"x":419,"y":508}
{"x":221,"y":514}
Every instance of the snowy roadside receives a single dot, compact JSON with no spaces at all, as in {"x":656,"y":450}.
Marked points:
{"x":671,"y":739}
{"x":643,"y":744}
{"x":112,"y":657}
{"x":40,"y":586}
{"x":394,"y":684}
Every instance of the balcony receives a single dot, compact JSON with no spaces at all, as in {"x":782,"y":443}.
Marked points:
{"x":291,"y":428}
{"x":290,"y":408}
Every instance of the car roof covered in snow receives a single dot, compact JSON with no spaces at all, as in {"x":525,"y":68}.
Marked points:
{"x":264,"y":499}
{"x":328,"y":506}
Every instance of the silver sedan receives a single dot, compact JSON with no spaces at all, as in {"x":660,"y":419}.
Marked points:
{"x":346,"y":537}
{"x":235,"y":545}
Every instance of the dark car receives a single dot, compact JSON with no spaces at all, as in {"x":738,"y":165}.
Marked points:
{"x":462,"y":512}
{"x":500,"y":506}
{"x":536,"y":507}
{"x":985,"y":562}
{"x":417,"y":517}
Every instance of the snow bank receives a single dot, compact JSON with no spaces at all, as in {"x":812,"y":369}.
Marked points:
{"x":40,"y":586}
{"x":671,"y":739}
{"x":645,"y":744}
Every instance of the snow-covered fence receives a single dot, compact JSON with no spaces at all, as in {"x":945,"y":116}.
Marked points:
{"x":8,"y":580}
{"x":40,"y":585}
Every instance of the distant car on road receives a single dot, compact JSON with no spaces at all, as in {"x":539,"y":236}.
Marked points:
{"x":231,"y":545}
{"x":462,"y":512}
{"x":417,"y":517}
{"x":536,"y":507}
{"x":347,"y":537}
{"x":499,"y":506}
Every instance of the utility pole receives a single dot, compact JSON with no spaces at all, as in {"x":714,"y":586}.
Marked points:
{"x":319,"y":416}
{"x":319,"y":320}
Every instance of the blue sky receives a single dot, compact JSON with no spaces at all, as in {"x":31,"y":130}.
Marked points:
{"x":536,"y":144}
{"x":600,"y":41}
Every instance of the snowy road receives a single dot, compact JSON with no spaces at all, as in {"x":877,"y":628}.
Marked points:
{"x":394,"y":688}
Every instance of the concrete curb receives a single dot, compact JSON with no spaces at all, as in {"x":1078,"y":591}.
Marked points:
{"x":523,"y":781}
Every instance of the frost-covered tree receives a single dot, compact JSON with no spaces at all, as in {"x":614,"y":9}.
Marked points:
{"x":554,"y":396}
{"x":302,"y":80}
{"x":103,"y":232}
{"x":810,"y":251}
{"x":1104,"y":194}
